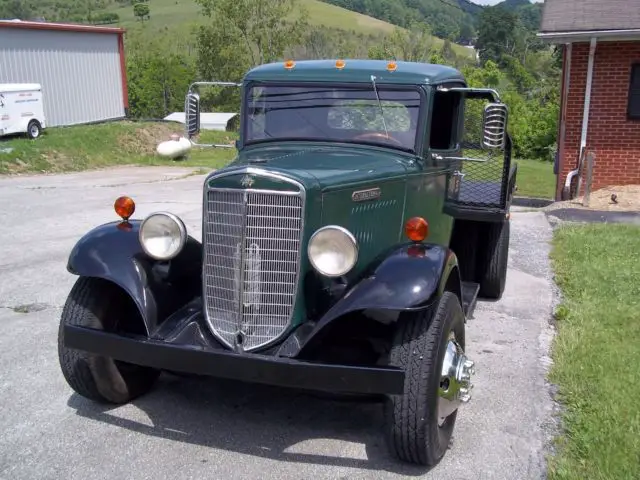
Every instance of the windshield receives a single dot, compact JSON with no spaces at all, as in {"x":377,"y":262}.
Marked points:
{"x":333,"y":113}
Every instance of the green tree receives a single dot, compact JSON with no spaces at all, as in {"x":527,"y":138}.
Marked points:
{"x":262,"y":29}
{"x":158,"y":78}
{"x":141,"y":10}
{"x":497,"y":34}
{"x":413,"y":45}
{"x":11,"y":9}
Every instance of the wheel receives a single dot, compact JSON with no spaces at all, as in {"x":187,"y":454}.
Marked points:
{"x":493,"y":271}
{"x":429,"y":347}
{"x":96,"y":303}
{"x":34,"y":129}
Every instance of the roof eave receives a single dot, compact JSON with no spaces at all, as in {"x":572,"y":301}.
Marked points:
{"x":586,"y":35}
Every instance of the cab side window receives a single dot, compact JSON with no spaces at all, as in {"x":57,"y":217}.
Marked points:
{"x":444,"y":120}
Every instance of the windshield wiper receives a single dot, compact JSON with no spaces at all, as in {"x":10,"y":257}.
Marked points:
{"x":375,"y":89}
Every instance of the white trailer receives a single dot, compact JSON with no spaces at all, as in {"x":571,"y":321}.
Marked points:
{"x":21,"y":109}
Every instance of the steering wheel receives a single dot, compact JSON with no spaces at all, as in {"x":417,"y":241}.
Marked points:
{"x":376,"y":135}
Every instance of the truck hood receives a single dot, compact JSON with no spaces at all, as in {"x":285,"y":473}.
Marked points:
{"x":328,"y":167}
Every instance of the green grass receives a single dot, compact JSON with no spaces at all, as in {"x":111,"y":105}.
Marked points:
{"x":133,"y":143}
{"x":535,"y":179}
{"x":105,"y":145}
{"x":597,"y":352}
{"x":177,"y":18}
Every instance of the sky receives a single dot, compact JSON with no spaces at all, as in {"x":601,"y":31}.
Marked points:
{"x":493,"y":2}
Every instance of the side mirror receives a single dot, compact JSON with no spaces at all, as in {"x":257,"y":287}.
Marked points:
{"x":192,"y":114}
{"x":494,"y":126}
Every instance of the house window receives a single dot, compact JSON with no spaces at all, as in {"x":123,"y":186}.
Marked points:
{"x":633,"y":108}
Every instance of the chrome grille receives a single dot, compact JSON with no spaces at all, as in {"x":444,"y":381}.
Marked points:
{"x":252,"y":248}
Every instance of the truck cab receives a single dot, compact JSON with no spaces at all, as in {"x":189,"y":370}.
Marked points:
{"x":342,"y":250}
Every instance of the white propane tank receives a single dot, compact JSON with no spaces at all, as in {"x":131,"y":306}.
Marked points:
{"x":176,"y":147}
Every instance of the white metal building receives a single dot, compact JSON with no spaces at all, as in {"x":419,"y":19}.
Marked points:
{"x":81,"y":68}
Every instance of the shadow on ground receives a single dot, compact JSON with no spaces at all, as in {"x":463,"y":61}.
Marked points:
{"x":262,"y":421}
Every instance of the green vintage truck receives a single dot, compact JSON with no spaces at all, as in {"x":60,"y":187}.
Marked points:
{"x":342,"y":250}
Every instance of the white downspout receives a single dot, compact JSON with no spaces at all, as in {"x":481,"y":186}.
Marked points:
{"x":585,"y":118}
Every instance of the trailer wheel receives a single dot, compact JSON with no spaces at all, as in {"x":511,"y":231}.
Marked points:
{"x":429,"y":347}
{"x":99,"y":304}
{"x":493,"y":271}
{"x":34,"y":129}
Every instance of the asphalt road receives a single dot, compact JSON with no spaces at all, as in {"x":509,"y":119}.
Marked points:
{"x":205,"y":428}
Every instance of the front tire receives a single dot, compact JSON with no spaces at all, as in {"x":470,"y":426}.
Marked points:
{"x":420,"y":422}
{"x":99,"y":304}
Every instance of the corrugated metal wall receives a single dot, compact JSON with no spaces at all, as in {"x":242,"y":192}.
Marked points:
{"x":79,"y":72}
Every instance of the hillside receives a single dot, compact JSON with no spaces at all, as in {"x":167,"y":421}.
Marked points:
{"x":168,"y":15}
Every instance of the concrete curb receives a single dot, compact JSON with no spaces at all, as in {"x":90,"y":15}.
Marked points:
{"x":594,"y":216}
{"x":531,"y":202}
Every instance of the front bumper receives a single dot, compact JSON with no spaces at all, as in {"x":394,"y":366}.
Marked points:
{"x":219,"y":362}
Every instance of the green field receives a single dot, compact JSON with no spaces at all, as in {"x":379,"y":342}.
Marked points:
{"x":596,"y":352}
{"x":134,"y":143}
{"x":105,"y":145}
{"x":535,"y":179}
{"x":178,"y":17}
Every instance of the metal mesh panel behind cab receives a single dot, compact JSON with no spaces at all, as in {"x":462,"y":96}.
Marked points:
{"x":483,"y":181}
{"x":252,"y":245}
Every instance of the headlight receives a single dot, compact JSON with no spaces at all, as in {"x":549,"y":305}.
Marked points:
{"x":162,"y":235}
{"x":333,"y":251}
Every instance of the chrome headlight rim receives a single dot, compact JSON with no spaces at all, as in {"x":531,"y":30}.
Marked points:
{"x":182,"y":240}
{"x":347,"y":234}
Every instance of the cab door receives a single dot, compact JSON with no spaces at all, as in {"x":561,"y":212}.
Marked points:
{"x":431,"y":178}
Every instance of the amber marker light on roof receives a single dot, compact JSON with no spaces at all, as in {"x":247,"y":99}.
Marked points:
{"x":392,"y":66}
{"x":289,"y":64}
{"x":416,"y":229}
{"x":124,"y":207}
{"x":340,"y":64}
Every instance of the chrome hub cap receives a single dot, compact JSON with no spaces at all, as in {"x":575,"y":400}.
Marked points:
{"x":455,"y":380}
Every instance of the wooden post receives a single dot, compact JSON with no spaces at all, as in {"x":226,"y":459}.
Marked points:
{"x":587,"y":189}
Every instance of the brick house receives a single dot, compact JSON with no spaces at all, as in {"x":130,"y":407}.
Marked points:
{"x":600,"y":106}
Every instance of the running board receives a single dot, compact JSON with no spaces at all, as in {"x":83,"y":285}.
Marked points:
{"x":469,"y":297}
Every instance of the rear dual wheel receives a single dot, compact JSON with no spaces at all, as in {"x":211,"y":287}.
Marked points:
{"x":429,"y":347}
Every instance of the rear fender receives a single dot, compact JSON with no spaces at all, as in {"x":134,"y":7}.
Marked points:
{"x":409,"y":278}
{"x":113,"y":252}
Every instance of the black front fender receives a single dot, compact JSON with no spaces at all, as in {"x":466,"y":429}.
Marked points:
{"x":113,"y":252}
{"x":409,"y":278}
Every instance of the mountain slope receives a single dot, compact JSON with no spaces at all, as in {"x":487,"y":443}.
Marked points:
{"x":168,"y":15}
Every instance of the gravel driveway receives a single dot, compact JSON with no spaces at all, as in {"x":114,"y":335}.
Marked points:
{"x":205,"y":428}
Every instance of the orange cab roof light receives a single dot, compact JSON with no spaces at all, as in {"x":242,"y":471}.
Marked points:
{"x":340,"y":64}
{"x":289,"y":64}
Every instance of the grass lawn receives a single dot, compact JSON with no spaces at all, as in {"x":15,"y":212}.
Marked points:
{"x":134,"y":143}
{"x":535,"y":179}
{"x":105,"y":145}
{"x":597,"y":352}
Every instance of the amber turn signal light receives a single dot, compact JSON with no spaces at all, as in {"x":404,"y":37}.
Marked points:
{"x":124,"y":207}
{"x":416,"y":229}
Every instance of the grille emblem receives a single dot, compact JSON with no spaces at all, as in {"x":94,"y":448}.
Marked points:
{"x":247,"y":181}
